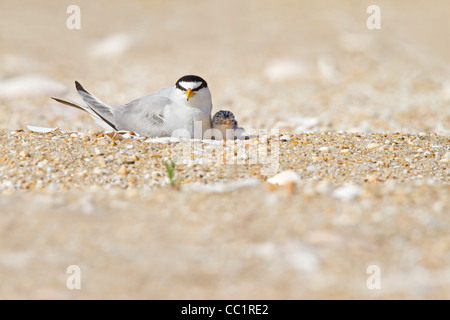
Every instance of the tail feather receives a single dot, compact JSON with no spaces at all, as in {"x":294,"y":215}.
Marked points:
{"x":104,"y":123}
{"x":100,"y":111}
{"x":71,"y":104}
{"x":99,"y":107}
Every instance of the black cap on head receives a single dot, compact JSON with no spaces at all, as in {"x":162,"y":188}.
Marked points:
{"x":224,"y":114}
{"x":193,"y":79}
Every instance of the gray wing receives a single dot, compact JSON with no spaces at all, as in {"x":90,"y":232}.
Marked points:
{"x":145,"y":115}
{"x":99,"y":120}
{"x":100,"y":108}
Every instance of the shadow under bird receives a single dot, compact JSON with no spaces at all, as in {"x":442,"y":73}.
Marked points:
{"x":183,"y":106}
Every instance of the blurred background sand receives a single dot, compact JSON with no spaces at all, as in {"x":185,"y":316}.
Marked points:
{"x":267,"y":61}
{"x":298,"y":66}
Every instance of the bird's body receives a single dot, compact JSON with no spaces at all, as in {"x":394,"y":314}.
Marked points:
{"x":156,"y":115}
{"x":184,"y":108}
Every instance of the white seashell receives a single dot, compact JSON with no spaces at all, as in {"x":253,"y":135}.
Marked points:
{"x":285,"y":177}
{"x":371,"y":146}
{"x":40,"y":129}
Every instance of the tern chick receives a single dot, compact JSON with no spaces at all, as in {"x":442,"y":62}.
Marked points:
{"x":225,"y":122}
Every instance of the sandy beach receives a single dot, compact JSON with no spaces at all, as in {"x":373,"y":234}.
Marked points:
{"x":342,"y":193}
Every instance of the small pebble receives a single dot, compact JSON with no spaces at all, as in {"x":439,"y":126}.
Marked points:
{"x":103,"y":142}
{"x":93,"y":132}
{"x":101,"y":161}
{"x":371,"y":146}
{"x":263,"y":139}
{"x":123,"y":170}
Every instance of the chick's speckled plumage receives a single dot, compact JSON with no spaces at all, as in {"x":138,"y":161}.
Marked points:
{"x":225,"y":123}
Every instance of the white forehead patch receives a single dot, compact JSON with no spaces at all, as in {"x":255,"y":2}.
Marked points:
{"x":190,"y":85}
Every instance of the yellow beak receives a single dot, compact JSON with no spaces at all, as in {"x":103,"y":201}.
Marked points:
{"x":226,"y":122}
{"x":189,"y":93}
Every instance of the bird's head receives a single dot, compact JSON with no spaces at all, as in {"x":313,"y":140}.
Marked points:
{"x":224,"y":118}
{"x":193,"y":90}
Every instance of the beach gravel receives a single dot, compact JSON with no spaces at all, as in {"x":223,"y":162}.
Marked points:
{"x":341,"y":190}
